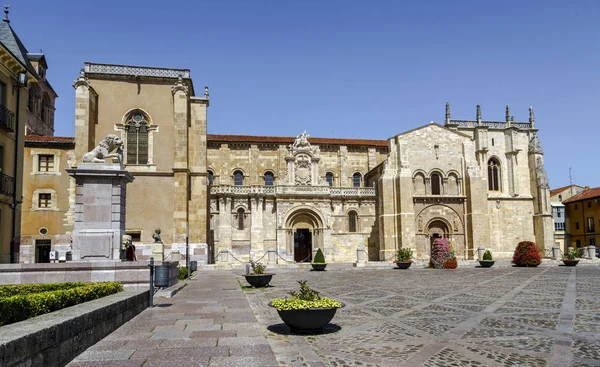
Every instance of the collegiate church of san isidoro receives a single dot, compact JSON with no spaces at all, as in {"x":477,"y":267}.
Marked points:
{"x":475,"y":182}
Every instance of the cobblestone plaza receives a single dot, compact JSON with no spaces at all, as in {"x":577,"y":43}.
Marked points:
{"x":546,"y":316}
{"x":501,"y":316}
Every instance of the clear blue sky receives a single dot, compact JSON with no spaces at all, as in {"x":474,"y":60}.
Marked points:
{"x":351,"y":69}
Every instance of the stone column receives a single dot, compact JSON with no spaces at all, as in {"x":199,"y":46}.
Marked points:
{"x":180,"y":162}
{"x":256,"y":228}
{"x":542,"y":212}
{"x":198,"y":206}
{"x":224,"y":223}
{"x":86,"y":115}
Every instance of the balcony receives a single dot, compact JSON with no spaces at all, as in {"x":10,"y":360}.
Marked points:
{"x":7,"y":119}
{"x":7,"y":185}
{"x":294,"y":191}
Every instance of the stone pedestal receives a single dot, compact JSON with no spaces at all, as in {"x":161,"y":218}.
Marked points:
{"x":99,"y":210}
{"x":158,"y":251}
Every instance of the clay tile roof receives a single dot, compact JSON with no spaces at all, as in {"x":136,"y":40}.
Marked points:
{"x":559,"y":190}
{"x":585,"y":194}
{"x":289,"y":140}
{"x":38,"y":140}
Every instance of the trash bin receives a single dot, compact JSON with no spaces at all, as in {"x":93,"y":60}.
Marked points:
{"x":161,"y":276}
{"x":193,"y":266}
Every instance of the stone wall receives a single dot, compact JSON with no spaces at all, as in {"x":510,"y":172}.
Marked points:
{"x":56,"y":338}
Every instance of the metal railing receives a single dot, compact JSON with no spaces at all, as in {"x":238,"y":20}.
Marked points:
{"x":7,"y":184}
{"x":7,"y":119}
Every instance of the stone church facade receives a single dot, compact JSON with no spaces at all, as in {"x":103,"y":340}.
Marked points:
{"x":233,"y":197}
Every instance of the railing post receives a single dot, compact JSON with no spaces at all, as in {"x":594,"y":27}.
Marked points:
{"x":556,"y":252}
{"x":151,"y":292}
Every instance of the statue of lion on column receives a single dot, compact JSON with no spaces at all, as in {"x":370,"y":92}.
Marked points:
{"x":103,"y":149}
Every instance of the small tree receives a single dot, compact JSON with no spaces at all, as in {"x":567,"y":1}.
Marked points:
{"x":319,"y":257}
{"x":487,"y":256}
{"x":526,"y":254}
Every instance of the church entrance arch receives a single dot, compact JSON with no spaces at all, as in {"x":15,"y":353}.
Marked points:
{"x":305,"y":230}
{"x":437,"y":228}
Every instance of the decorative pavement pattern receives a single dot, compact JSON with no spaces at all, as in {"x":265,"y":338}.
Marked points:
{"x":545,"y":316}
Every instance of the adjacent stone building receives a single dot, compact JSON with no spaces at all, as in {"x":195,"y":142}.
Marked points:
{"x":232,"y":197}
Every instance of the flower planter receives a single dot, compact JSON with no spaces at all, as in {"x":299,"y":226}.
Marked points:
{"x":403,"y":264}
{"x":486,"y":264}
{"x":259,"y":280}
{"x":318,"y":267}
{"x":570,"y":262}
{"x":311,"y":320}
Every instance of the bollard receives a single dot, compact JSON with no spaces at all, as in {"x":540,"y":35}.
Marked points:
{"x":480,"y":252}
{"x":151,"y":293}
{"x":248,"y":267}
{"x":556,"y":252}
{"x":592,"y":252}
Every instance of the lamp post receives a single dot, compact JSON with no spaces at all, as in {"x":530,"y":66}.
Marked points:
{"x":187,"y":249}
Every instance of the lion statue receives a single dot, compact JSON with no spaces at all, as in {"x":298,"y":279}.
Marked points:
{"x":102,"y":151}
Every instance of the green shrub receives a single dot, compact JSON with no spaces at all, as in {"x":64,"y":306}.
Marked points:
{"x":487,"y":256}
{"x":526,"y":254}
{"x":257,"y":268}
{"x":183,"y":271}
{"x":572,"y":254}
{"x":319,"y":257}
{"x":303,"y":299}
{"x":15,"y":290}
{"x":404,"y":254}
{"x":23,"y":306}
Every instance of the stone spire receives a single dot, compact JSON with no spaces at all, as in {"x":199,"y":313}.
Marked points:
{"x":179,"y":86}
{"x":81,"y":80}
{"x":206,"y":91}
{"x":531,"y":116}
{"x":478,"y":114}
{"x":507,"y":114}
{"x":447,"y":113}
{"x":6,"y":20}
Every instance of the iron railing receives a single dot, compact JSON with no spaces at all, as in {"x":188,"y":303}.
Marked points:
{"x":7,"y":119}
{"x":7,"y":184}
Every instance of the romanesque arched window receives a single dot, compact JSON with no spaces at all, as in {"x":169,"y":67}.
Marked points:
{"x":436,"y":184}
{"x":136,"y":125}
{"x":240,"y":219}
{"x":493,"y":174}
{"x":238,"y":178}
{"x":352,"y":219}
{"x":356,"y":178}
{"x":269,"y":178}
{"x":211,"y":177}
{"x":329,"y":178}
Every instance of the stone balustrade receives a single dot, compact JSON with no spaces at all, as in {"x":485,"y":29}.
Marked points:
{"x":293,"y":190}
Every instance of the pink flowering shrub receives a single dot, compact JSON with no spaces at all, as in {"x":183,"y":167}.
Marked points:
{"x":442,"y":255}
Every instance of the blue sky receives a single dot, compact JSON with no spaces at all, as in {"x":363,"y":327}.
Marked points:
{"x":351,"y":69}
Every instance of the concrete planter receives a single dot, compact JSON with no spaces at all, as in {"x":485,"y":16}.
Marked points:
{"x":486,"y":263}
{"x":570,"y":262}
{"x":318,"y":267}
{"x":309,"y":321}
{"x":403,"y":264}
{"x":259,"y":280}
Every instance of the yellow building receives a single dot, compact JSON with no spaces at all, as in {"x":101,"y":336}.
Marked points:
{"x":46,"y":222}
{"x":16,"y":71}
{"x":583,"y":218}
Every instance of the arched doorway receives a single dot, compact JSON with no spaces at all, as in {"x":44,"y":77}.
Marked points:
{"x":437,"y":228}
{"x":305,"y":231}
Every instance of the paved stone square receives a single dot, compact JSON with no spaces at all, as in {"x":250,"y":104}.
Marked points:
{"x":505,"y":316}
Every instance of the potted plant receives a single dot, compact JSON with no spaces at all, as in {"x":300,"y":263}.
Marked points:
{"x":306,"y":311}
{"x":526,"y":254}
{"x":442,"y":255}
{"x":404,"y":258}
{"x":487,"y":261}
{"x":318,"y":263}
{"x":571,"y":257}
{"x":258,"y":277}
